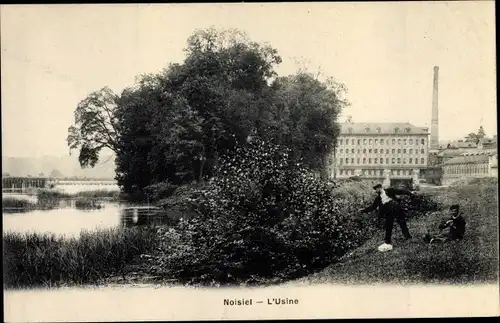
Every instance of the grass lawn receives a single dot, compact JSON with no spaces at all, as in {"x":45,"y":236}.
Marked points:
{"x":473,"y":260}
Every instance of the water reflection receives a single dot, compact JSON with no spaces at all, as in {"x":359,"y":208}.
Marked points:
{"x":145,"y":215}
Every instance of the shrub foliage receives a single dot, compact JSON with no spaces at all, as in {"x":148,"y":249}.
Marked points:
{"x":263,"y":215}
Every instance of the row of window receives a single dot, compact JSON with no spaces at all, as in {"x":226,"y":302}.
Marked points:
{"x":379,"y":161}
{"x":379,"y":130}
{"x":381,"y":151}
{"x":375,"y":172}
{"x":366,"y":141}
{"x":466,"y":169}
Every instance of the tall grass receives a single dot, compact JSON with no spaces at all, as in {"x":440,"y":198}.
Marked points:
{"x":46,"y":260}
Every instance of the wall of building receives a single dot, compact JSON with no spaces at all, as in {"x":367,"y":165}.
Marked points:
{"x":371,"y":156}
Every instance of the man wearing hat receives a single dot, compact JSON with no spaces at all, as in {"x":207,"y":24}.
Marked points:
{"x":456,"y":224}
{"x":387,"y":203}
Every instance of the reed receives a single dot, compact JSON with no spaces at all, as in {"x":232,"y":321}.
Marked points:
{"x":47,"y":260}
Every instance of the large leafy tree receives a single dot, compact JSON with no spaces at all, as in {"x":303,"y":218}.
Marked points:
{"x":174,"y":126}
{"x":95,"y":126}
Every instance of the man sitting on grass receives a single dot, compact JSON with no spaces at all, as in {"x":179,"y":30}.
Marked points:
{"x":456,"y":223}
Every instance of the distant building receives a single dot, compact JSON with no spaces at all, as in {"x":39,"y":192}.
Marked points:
{"x":380,"y":150}
{"x":470,"y":165}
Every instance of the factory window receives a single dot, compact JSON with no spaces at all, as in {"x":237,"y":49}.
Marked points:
{"x":341,"y":172}
{"x":416,"y":142}
{"x":399,"y":172}
{"x":376,"y":151}
{"x":352,"y":142}
{"x":358,"y":160}
{"x":381,"y":160}
{"x":404,"y":160}
{"x":378,"y":130}
{"x":411,"y":151}
{"x":369,"y":160}
{"x":341,"y":151}
{"x":410,"y":161}
{"x":352,"y":160}
{"x":381,"y":172}
{"x":347,"y":160}
{"x":422,"y":141}
{"x":394,"y":160}
{"x":393,"y":151}
{"x":422,"y":160}
{"x":407,"y":130}
{"x":411,"y":141}
{"x":370,"y":141}
{"x":399,"y":151}
{"x":387,"y":160}
{"x":374,"y":160}
{"x":359,"y":141}
{"x":359,"y":150}
{"x":387,"y":151}
{"x":399,"y":160}
{"x":422,"y":151}
{"x":393,"y":141}
{"x":369,"y":151}
{"x":340,"y":142}
{"x":352,"y":151}
{"x":376,"y":141}
{"x":404,"y":151}
{"x":396,"y":130}
{"x":364,"y":151}
{"x":399,"y":141}
{"x":381,"y":141}
{"x":367,"y":130}
{"x":364,"y":160}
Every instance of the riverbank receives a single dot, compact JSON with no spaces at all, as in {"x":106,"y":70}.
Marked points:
{"x":47,"y":260}
{"x":471,"y":261}
{"x":50,"y":199}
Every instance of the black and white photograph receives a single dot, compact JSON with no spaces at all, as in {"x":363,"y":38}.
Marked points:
{"x":249,"y":161}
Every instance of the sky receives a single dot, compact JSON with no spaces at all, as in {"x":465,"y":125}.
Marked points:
{"x":52,"y":56}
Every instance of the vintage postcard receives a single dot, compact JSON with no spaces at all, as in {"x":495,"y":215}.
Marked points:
{"x":249,"y":161}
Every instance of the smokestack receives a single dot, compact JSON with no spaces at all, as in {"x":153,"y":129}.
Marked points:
{"x":435,"y":112}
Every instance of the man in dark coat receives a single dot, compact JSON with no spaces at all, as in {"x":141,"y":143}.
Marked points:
{"x":456,"y":224}
{"x":389,"y":207}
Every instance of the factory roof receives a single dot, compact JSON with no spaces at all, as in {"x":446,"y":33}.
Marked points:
{"x":469,"y":159}
{"x":382,"y":128}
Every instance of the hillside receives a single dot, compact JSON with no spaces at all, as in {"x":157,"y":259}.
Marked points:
{"x":68,"y":166}
{"x":473,"y":260}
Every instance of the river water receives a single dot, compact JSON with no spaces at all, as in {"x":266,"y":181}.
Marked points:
{"x":69,"y":221}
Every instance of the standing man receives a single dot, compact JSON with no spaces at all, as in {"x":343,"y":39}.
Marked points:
{"x":389,"y":207}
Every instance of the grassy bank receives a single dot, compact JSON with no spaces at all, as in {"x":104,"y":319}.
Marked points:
{"x":46,"y":260}
{"x":473,"y":260}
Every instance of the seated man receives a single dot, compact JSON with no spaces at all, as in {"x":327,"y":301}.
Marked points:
{"x":456,"y":223}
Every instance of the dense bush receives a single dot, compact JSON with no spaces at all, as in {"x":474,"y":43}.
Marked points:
{"x":46,"y":260}
{"x":264,"y":215}
{"x":159,"y":191}
{"x":87,"y":203}
{"x":15,"y":203}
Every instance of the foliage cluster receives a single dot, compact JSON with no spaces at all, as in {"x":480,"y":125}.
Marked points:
{"x":265,"y":216}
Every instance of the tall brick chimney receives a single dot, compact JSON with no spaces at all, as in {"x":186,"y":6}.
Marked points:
{"x":435,"y":112}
